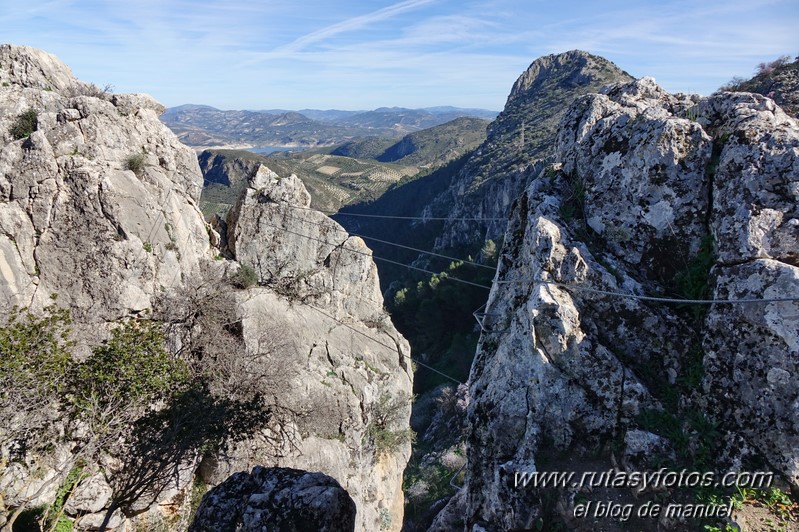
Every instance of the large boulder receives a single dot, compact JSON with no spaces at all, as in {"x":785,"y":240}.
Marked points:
{"x":282,"y":499}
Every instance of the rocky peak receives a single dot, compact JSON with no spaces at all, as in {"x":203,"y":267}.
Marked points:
{"x":569,"y":69}
{"x":301,"y":251}
{"x":271,"y":188}
{"x":519,"y":141}
{"x":30,"y":68}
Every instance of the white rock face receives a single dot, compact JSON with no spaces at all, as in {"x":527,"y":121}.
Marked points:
{"x":641,"y":170}
{"x":90,"y":496}
{"x":345,"y":359}
{"x":643,"y":180}
{"x":98,"y":208}
{"x":74,"y":220}
{"x":301,"y":252}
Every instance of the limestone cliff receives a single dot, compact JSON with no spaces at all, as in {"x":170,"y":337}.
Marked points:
{"x":347,"y":368}
{"x":98,"y":212}
{"x":651,"y":194}
{"x":99,"y":203}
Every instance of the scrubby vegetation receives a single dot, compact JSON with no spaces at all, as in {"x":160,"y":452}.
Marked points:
{"x":24,"y":124}
{"x":245,"y":277}
{"x":387,"y":413}
{"x":131,"y":400}
{"x":436,"y":315}
{"x":777,"y":79}
{"x":135,"y":163}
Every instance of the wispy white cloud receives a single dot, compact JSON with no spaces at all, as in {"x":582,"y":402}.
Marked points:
{"x":403,"y":52}
{"x":351,"y":24}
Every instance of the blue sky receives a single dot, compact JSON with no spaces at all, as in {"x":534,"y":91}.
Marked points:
{"x":412,"y":53}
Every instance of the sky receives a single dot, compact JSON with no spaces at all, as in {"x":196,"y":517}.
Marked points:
{"x":324,"y":54}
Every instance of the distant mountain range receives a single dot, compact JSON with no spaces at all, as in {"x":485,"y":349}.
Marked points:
{"x":336,"y":115}
{"x":202,"y":126}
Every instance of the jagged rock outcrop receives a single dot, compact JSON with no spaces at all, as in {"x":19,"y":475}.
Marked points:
{"x":222,"y":167}
{"x":752,"y":351}
{"x":276,"y":499}
{"x":347,"y":365}
{"x":628,"y":145}
{"x":301,"y":251}
{"x":99,"y":203}
{"x":643,"y":182}
{"x":98,"y":210}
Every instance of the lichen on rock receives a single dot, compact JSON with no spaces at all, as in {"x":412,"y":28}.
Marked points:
{"x":651,"y":194}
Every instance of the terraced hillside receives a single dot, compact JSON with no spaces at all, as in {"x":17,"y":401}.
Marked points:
{"x":332,"y":180}
{"x":427,"y":148}
{"x":358,"y":171}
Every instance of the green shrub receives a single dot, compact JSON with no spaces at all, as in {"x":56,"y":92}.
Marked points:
{"x":245,"y":278}
{"x":25,"y":124}
{"x":34,"y":361}
{"x":135,"y":163}
{"x":55,"y":519}
{"x":387,"y":412}
{"x":132,"y":367}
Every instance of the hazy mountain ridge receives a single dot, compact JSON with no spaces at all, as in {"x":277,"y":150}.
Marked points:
{"x":355,"y":172}
{"x":333,"y":115}
{"x":205,"y":126}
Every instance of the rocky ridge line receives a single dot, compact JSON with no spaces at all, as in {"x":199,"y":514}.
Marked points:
{"x":642,"y":181}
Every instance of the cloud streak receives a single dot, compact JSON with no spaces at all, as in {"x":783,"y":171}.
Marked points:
{"x":351,"y":24}
{"x":241,"y":54}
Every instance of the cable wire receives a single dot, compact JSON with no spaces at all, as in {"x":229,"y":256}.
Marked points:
{"x":392,"y":347}
{"x":395,"y":244}
{"x":469,"y":262}
{"x":661,"y":299}
{"x":449,"y":277}
{"x":389,"y":217}
{"x":539,"y":281}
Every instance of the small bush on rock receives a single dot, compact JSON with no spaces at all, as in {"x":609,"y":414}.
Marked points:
{"x":245,"y":278}
{"x":387,"y":412}
{"x":25,"y":124}
{"x":135,"y":163}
